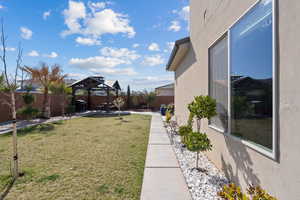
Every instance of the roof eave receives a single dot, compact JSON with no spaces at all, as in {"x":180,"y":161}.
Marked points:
{"x":180,"y":49}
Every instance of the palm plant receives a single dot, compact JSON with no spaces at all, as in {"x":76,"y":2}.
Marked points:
{"x":63,"y":90}
{"x":46,"y":77}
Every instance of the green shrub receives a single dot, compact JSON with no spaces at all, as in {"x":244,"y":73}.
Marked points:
{"x":202,"y":107}
{"x":257,"y":193}
{"x":168,"y":117}
{"x":184,"y":131}
{"x":171,"y":108}
{"x":197,"y":142}
{"x":233,"y":192}
{"x":28,"y":111}
{"x":28,"y":98}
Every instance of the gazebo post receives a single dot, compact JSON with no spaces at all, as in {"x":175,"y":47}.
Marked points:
{"x":89,"y":98}
{"x":107,"y":98}
{"x":73,"y":95}
{"x":117,"y":93}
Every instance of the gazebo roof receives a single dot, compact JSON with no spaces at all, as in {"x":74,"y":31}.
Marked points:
{"x":95,"y":83}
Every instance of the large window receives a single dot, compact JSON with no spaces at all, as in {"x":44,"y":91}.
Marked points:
{"x":218,"y":78}
{"x":250,"y":98}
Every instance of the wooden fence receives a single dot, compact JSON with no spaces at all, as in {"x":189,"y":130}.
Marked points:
{"x":56,"y":103}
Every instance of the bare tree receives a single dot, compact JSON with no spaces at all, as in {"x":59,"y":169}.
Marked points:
{"x":10,"y":88}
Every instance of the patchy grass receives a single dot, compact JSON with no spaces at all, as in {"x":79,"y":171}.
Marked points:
{"x":84,"y":158}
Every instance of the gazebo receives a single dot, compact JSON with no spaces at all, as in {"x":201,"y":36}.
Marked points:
{"x":95,"y":83}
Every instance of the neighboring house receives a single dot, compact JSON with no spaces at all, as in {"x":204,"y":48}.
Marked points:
{"x":166,"y":90}
{"x":36,"y":85}
{"x":245,"y":54}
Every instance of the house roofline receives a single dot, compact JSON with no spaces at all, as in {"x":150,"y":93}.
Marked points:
{"x":164,"y":85}
{"x":175,"y":50}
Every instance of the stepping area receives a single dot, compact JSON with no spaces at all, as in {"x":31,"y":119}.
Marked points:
{"x":163,"y":178}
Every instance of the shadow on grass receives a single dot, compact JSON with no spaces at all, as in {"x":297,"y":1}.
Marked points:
{"x":35,"y":129}
{"x":7,"y":188}
{"x":107,"y":115}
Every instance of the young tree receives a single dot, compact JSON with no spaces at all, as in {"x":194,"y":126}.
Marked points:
{"x":149,"y":98}
{"x":46,"y":77}
{"x":9,"y":86}
{"x":61,"y":89}
{"x":128,"y":97}
{"x":202,"y":107}
{"x":119,"y":102}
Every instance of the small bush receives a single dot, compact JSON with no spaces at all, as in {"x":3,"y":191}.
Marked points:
{"x":184,"y":131}
{"x":197,"y":142}
{"x":257,"y":193}
{"x":233,"y":192}
{"x":168,"y":117}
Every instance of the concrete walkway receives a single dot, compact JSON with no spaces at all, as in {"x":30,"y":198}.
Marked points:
{"x":163,"y":179}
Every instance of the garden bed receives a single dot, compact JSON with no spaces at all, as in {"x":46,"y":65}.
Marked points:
{"x":202,"y":185}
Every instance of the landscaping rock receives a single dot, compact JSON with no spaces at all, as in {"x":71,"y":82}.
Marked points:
{"x":202,"y":185}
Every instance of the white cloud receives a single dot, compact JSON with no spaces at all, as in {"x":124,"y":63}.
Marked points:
{"x":26,"y":33}
{"x":152,"y":81}
{"x":73,"y":14}
{"x":46,"y":14}
{"x":153,"y":60}
{"x":112,"y":71}
{"x":1,"y":6}
{"x":170,"y":45}
{"x":33,"y":53}
{"x":8,"y":48}
{"x":87,"y":41}
{"x":135,"y":45}
{"x":184,"y":13}
{"x":51,"y":55}
{"x":96,"y":62}
{"x":122,"y":53}
{"x":95,"y":23}
{"x":95,"y":6}
{"x":153,"y":47}
{"x":108,"y":21}
{"x":175,"y":26}
{"x":76,"y":75}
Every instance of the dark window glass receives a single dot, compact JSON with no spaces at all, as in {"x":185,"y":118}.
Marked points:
{"x":218,"y":82}
{"x":251,"y":76}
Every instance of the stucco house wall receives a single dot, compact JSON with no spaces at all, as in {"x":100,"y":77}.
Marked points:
{"x":209,"y":21}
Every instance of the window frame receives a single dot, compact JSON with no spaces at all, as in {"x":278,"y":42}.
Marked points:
{"x":225,"y":35}
{"x":273,"y":153}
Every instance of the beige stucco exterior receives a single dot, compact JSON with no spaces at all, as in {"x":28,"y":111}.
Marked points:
{"x":242,"y":164}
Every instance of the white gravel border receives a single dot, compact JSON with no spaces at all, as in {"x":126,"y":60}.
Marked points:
{"x":202,"y":185}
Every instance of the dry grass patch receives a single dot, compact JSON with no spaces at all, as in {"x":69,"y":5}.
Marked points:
{"x":85,"y":158}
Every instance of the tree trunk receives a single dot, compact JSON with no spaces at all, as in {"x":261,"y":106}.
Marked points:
{"x":198,"y":125}
{"x":15,"y":168}
{"x":46,"y":104}
{"x":197,"y":166}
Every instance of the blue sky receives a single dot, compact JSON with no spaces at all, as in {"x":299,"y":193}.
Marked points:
{"x":128,"y":40}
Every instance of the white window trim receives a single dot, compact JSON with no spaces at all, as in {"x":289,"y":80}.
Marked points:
{"x":273,"y":154}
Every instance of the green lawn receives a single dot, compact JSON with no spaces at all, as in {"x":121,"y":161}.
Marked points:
{"x":84,"y":158}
